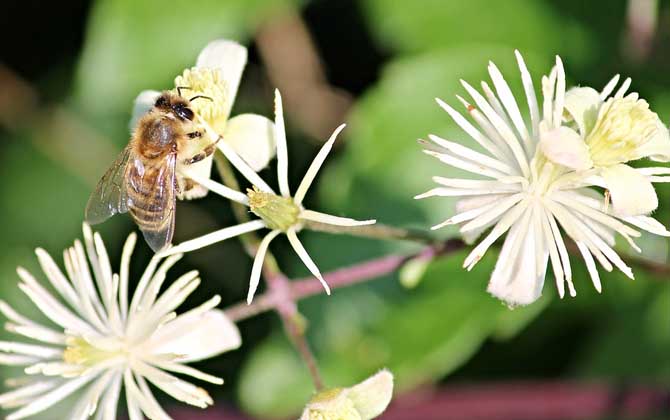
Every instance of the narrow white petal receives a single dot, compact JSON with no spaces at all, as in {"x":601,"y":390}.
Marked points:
{"x":623,"y":89}
{"x":590,"y":265}
{"x":214,"y":237}
{"x":110,"y":399}
{"x":282,"y":151}
{"x":187,"y":370}
{"x":470,"y":129}
{"x":56,"y":277}
{"x":467,"y":153}
{"x":647,"y":223}
{"x":516,"y":278}
{"x":257,"y":267}
{"x":306,"y":259}
{"x":49,"y":306}
{"x":560,"y":92}
{"x":127,"y":252}
{"x":139,"y":402}
{"x":466,"y":165}
{"x":609,"y":88}
{"x":50,"y":398}
{"x":235,"y":160}
{"x":510,"y":217}
{"x":509,"y":102}
{"x":173,"y":386}
{"x":313,"y":169}
{"x":501,"y":127}
{"x":218,"y":188}
{"x":88,"y":403}
{"x":527,"y":81}
{"x":496,"y":211}
{"x":556,"y":265}
{"x":334,"y":220}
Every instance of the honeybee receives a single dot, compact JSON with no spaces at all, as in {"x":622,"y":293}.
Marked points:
{"x":142,"y":180}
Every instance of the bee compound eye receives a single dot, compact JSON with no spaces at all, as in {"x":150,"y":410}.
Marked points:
{"x":184,"y":112}
{"x":160,"y":102}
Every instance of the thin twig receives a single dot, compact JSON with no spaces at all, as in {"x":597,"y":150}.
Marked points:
{"x":279,"y":296}
{"x":348,"y":276}
{"x":376,"y":231}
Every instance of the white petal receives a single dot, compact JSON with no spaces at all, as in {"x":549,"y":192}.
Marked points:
{"x":198,"y":338}
{"x":306,"y":259}
{"x":372,"y":396}
{"x":50,"y":398}
{"x":565,"y":147}
{"x":632,"y":194}
{"x":214,"y":237}
{"x":230,"y":58}
{"x":217,"y":188}
{"x":582,"y":104}
{"x":517,"y":279}
{"x":282,"y":151}
{"x":590,"y":266}
{"x":609,"y":87}
{"x":28,"y":391}
{"x":143,"y":103}
{"x":658,"y":147}
{"x":314,"y":167}
{"x":252,"y":137}
{"x":491,"y":147}
{"x":257,"y":268}
{"x":531,"y":98}
{"x":333,"y":220}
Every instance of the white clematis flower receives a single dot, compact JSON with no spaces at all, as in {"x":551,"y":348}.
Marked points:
{"x":283,"y":213}
{"x":102,"y":343}
{"x":216,"y":75}
{"x":528,"y":196}
{"x":363,"y":401}
{"x":607,"y":132}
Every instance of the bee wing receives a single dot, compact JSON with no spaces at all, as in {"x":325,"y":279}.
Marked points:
{"x":110,"y":196}
{"x":155,"y":215}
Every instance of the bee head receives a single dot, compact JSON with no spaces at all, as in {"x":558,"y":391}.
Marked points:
{"x":174,"y":104}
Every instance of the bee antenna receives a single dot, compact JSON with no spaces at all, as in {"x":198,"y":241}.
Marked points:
{"x":179,"y":88}
{"x":201,"y":96}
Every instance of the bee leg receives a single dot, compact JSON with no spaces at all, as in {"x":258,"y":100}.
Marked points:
{"x":194,"y":135}
{"x":206,"y":152}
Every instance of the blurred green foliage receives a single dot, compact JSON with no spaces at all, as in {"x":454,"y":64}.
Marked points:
{"x":447,"y":324}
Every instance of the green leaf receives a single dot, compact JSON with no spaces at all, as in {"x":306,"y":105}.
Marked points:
{"x":522,"y":24}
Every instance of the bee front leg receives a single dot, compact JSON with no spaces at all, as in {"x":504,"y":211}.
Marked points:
{"x":206,"y":152}
{"x":194,"y":135}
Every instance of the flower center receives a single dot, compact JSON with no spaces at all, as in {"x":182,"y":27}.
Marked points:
{"x":81,"y":352}
{"x":280,"y":213}
{"x":331,"y":405}
{"x":206,"y":82}
{"x":623,"y":126}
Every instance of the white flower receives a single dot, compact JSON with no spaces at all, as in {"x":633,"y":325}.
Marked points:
{"x":216,"y":75}
{"x":606,"y":132}
{"x":363,"y":401}
{"x":100,"y":341}
{"x":526,"y":194}
{"x":282,"y":213}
